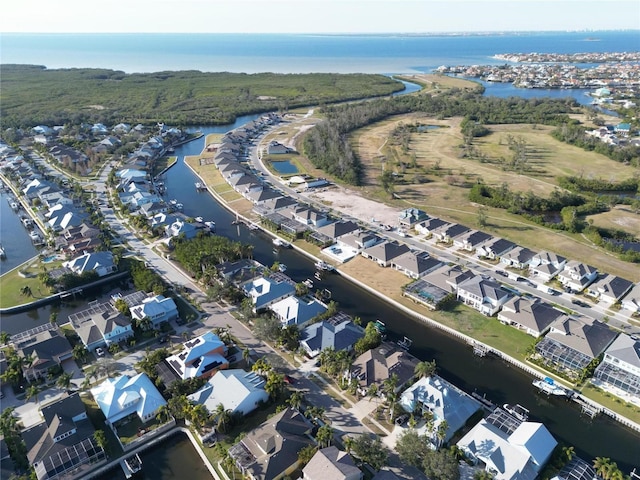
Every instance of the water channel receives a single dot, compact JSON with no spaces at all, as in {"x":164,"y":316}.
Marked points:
{"x":456,"y":362}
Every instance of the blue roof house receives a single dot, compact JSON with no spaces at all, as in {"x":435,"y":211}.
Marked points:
{"x":237,"y":390}
{"x":266,"y":291}
{"x":296,"y":310}
{"x":338,"y":333}
{"x":158,"y":309}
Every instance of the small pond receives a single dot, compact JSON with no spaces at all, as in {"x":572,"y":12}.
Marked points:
{"x":425,"y":128}
{"x":284,"y":167}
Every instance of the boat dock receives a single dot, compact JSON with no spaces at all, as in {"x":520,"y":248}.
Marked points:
{"x":479,"y":349}
{"x":131,"y":465}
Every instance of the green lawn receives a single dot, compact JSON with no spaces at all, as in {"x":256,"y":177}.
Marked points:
{"x":11,"y":283}
{"x":612,"y":402}
{"x":97,"y":420}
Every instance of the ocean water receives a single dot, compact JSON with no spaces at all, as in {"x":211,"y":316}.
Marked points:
{"x":282,"y":53}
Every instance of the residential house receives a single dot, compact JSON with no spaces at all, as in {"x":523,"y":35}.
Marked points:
{"x":260,"y":195}
{"x":529,"y":314}
{"x":150,"y":209}
{"x":270,"y":451}
{"x":471,"y":240}
{"x":448,"y":277}
{"x":443,"y":400}
{"x":427,"y":227}
{"x":508,"y":453}
{"x":238,"y":391}
{"x":447,"y":233}
{"x":99,"y":262}
{"x":483,"y":294}
{"x":202,"y":356}
{"x":123,"y":396}
{"x":45,"y":349}
{"x":339,"y":229}
{"x":631,"y":301}
{"x":309,"y":216}
{"x":411,"y":216}
{"x":265,"y":291}
{"x":180,"y":227}
{"x":276,"y":148}
{"x":577,"y":469}
{"x":610,"y":288}
{"x":158,"y":309}
{"x":238,"y":270}
{"x":374,"y":366}
{"x":62,"y":216}
{"x":384,"y":253}
{"x":331,"y":463}
{"x":62,"y":444}
{"x":577,"y":275}
{"x":546,"y":265}
{"x":298,"y":311}
{"x":162,"y":219}
{"x":494,"y":249}
{"x":573,"y":342}
{"x":276,"y":204}
{"x":620,"y":367}
{"x":415,"y":265}
{"x":358,"y":240}
{"x":518,"y":257}
{"x":337,"y":333}
{"x":101,"y":325}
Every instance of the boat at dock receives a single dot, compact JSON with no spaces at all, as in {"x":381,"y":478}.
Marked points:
{"x":381,"y":328}
{"x":550,"y":387}
{"x":320,"y":265}
{"x":517,"y":411}
{"x":199,"y":219}
{"x":252,"y":226}
{"x":14,"y":206}
{"x":308,"y":283}
{"x":3,"y":254}
{"x":405,"y":343}
{"x":282,"y":267}
{"x":278,"y":242}
{"x":200,"y":186}
{"x":131,"y":465}
{"x":211,"y":225}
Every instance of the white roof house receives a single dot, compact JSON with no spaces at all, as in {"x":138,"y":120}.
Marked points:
{"x":201,"y":356}
{"x":158,"y":309}
{"x":237,"y":390}
{"x":297,"y":310}
{"x":122,"y":396}
{"x":445,"y":401}
{"x":516,"y":456}
{"x":100,"y":262}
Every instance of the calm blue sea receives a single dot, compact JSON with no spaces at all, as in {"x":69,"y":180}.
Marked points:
{"x":281,"y":53}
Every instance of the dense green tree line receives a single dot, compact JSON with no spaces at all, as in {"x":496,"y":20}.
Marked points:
{"x":516,"y":202}
{"x":33,"y":95}
{"x":574,"y":134}
{"x":581,"y":184}
{"x":328,"y":148}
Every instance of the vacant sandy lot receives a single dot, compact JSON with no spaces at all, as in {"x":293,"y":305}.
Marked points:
{"x":345,"y":201}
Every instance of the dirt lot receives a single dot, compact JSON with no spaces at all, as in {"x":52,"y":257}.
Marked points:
{"x":350,"y":203}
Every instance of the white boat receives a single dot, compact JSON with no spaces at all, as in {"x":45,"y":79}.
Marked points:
{"x":548,"y":386}
{"x":253,"y":226}
{"x":2,"y":252}
{"x":211,"y":225}
{"x":282,"y":267}
{"x":324,"y":266}
{"x":131,"y":465}
{"x":179,"y":206}
{"x":278,"y":242}
{"x":517,"y":411}
{"x":308,"y":283}
{"x":34,"y":235}
{"x":199,"y":219}
{"x":173,"y":202}
{"x":15,"y":206}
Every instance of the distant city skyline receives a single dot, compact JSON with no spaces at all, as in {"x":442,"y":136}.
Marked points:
{"x":318,"y":16}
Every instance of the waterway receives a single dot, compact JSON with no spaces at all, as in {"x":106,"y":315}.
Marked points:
{"x":14,"y":237}
{"x":456,"y":362}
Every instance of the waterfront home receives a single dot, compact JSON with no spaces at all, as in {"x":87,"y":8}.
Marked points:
{"x":448,"y":277}
{"x":298,"y":311}
{"x":529,"y":314}
{"x":238,"y":391}
{"x":471,"y":240}
{"x":181,"y":227}
{"x":631,"y":301}
{"x":426,"y":227}
{"x":74,"y":239}
{"x":410,"y":216}
{"x":101,"y":325}
{"x":276,"y":148}
{"x":427,"y":294}
{"x":620,"y":367}
{"x":509,"y":452}
{"x":149,"y":209}
{"x":337,"y":333}
{"x":415,"y":264}
{"x":444,"y":401}
{"x":62,"y":216}
{"x":270,"y":451}
{"x":577,"y":275}
{"x":162,"y":219}
{"x":609,"y":288}
{"x":260,"y":195}
{"x":123,"y":396}
{"x":240,"y":182}
{"x":309,"y":216}
{"x":518,"y":257}
{"x":494,"y":249}
{"x":99,"y":262}
{"x":275,"y":205}
{"x":374,"y":366}
{"x":63,"y":442}
{"x":483,"y":294}
{"x":265,"y":291}
{"x":546,"y":265}
{"x":49,"y":198}
{"x":331,"y":463}
{"x":202,"y":356}
{"x":339,"y":229}
{"x":36,"y":186}
{"x":577,"y":469}
{"x":447,"y":233}
{"x":573,"y":342}
{"x":158,"y":309}
{"x":358,"y":241}
{"x":132,"y":174}
{"x":238,"y":270}
{"x":383,"y":253}
{"x":45,"y":349}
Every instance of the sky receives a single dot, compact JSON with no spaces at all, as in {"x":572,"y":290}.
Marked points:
{"x":315,"y":16}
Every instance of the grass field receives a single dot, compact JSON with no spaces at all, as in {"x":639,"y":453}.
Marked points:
{"x":11,"y":283}
{"x":440,"y":181}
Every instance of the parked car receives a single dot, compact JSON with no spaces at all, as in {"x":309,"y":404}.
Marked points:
{"x":289,"y":379}
{"x":402,"y":419}
{"x":100,"y":352}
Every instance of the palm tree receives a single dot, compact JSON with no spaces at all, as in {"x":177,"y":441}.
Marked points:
{"x":324,"y":436}
{"x":441,"y":433}
{"x":274,"y":385}
{"x":101,"y":439}
{"x":246,"y":356}
{"x":223,"y":417}
{"x":64,"y":381}
{"x":32,"y":392}
{"x":602,"y":466}
{"x":80,"y":353}
{"x":4,"y":338}
{"x":372,"y":391}
{"x":425,"y":369}
{"x":295,"y":400}
{"x":162,"y":414}
{"x":26,"y":291}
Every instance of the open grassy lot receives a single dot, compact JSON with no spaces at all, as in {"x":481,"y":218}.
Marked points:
{"x":621,"y":217}
{"x":612,"y":402}
{"x":11,"y":283}
{"x":440,"y":180}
